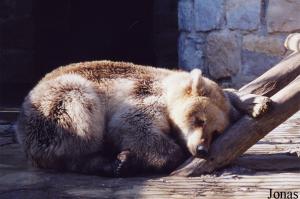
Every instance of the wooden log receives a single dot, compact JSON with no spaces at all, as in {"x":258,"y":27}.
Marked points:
{"x":274,"y":79}
{"x":292,"y":42}
{"x":245,"y":133}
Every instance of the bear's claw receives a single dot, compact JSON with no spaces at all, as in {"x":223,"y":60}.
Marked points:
{"x":259,"y":106}
{"x":121,"y":164}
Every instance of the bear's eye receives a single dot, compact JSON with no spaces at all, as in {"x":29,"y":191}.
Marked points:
{"x":198,"y":122}
{"x":216,"y":134}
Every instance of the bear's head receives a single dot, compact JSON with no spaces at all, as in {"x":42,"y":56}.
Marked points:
{"x":197,"y":108}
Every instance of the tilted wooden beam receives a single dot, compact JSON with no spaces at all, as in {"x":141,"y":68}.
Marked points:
{"x":245,"y":133}
{"x":292,"y":42}
{"x":276,"y":78}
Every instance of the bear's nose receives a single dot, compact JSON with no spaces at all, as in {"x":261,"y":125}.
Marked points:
{"x":202,"y":152}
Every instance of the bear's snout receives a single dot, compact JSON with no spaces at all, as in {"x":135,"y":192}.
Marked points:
{"x":201,"y":152}
{"x":198,"y":143}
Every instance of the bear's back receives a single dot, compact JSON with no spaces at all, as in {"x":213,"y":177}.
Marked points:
{"x":97,"y":71}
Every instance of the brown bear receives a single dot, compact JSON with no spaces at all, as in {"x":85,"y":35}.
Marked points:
{"x":120,"y":119}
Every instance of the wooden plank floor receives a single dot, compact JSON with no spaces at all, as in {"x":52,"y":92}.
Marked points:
{"x":287,"y":135}
{"x":18,"y":180}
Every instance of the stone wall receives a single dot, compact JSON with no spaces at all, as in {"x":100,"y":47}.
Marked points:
{"x":234,"y":41}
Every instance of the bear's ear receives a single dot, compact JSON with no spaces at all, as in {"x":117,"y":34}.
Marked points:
{"x":197,"y":82}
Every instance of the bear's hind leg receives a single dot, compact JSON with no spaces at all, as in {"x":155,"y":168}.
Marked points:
{"x":62,"y":120}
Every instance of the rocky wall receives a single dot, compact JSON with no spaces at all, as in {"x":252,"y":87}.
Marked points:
{"x":234,"y":41}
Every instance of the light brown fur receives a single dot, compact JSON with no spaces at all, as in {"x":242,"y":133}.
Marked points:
{"x":111,"y":118}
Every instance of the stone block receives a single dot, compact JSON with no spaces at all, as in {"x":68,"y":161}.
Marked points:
{"x":272,"y":45}
{"x":209,"y":14}
{"x":223,"y":53}
{"x":185,"y":15}
{"x":283,"y":16}
{"x":243,"y":14}
{"x":240,"y":80}
{"x":255,"y":64}
{"x":190,"y":51}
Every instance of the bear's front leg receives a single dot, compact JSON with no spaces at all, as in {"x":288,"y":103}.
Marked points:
{"x":251,"y":104}
{"x":125,"y":164}
{"x":160,"y":156}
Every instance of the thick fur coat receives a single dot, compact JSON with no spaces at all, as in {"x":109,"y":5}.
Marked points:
{"x":114,"y":118}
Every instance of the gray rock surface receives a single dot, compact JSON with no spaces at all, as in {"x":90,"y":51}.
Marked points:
{"x":243,"y":14}
{"x":260,"y":28}
{"x":190,"y":51}
{"x":283,"y":16}
{"x":208,"y":14}
{"x":185,"y":15}
{"x":255,"y":64}
{"x":223,"y":53}
{"x":272,"y":45}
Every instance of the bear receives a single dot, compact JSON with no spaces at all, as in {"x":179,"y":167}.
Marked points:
{"x":120,"y":119}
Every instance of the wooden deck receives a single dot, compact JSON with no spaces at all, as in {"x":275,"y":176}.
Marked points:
{"x":273,"y":163}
